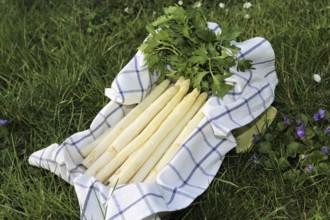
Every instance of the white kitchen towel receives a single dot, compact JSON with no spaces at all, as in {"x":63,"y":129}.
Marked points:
{"x":194,"y":166}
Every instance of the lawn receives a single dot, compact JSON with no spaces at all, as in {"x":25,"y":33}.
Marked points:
{"x":57,"y":57}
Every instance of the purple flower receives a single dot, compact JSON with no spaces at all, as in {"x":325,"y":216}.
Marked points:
{"x":324,"y":150}
{"x":301,"y":133}
{"x":256,"y":160}
{"x":319,"y":115}
{"x":322,"y":113}
{"x":327,"y":131}
{"x":287,"y":120}
{"x":301,"y":130}
{"x":3,"y":122}
{"x":256,"y":137}
{"x":310,"y":168}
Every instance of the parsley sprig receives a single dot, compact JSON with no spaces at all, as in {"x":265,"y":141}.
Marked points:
{"x":181,"y":44}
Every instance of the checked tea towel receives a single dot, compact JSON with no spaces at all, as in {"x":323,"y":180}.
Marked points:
{"x":194,"y":166}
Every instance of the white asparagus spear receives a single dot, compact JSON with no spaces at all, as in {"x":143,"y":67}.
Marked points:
{"x":180,"y":80}
{"x":171,"y":151}
{"x":166,"y":143}
{"x":143,"y":120}
{"x":124,"y":123}
{"x":91,"y":146}
{"x":132,"y":130}
{"x":126,"y":172}
{"x":130,"y":158}
{"x":120,"y":158}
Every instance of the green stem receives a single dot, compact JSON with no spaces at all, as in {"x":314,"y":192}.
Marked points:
{"x":171,"y":48}
{"x":210,"y":68}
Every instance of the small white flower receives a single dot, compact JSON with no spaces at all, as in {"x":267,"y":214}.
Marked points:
{"x":222,"y":5}
{"x":126,"y":10}
{"x":198,"y":5}
{"x":303,"y":157}
{"x":317,"y":78}
{"x":247,"y":5}
{"x":247,"y":16}
{"x":180,"y":2}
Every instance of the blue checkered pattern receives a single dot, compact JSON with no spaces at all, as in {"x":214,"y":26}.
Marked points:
{"x":196,"y":163}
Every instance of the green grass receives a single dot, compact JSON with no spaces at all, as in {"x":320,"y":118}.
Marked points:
{"x":56,"y":58}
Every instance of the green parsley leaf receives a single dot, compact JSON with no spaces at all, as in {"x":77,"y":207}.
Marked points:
{"x":243,"y":65}
{"x":180,"y":39}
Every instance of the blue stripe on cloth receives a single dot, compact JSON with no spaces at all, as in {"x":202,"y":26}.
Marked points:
{"x":76,"y":169}
{"x":100,"y":124}
{"x":69,"y":178}
{"x":139,"y":77}
{"x":198,"y":164}
{"x":142,"y":198}
{"x":105,"y":119}
{"x":174,"y":192}
{"x":88,"y":135}
{"x":119,"y":107}
{"x":248,"y":107}
{"x":210,"y":145}
{"x":120,"y":187}
{"x":239,"y":105}
{"x":206,"y":141}
{"x":263,"y":62}
{"x":263,"y":100}
{"x":233,"y":93}
{"x":196,"y":132}
{"x":92,"y":133}
{"x":215,"y":28}
{"x":259,"y":93}
{"x":184,"y":182}
{"x":120,"y":90}
{"x":252,"y":48}
{"x":42,"y":154}
{"x":73,"y":162}
{"x":247,"y":82}
{"x":74,"y":143}
{"x":120,"y":213}
{"x":83,"y":208}
{"x":60,"y":148}
{"x":104,"y":197}
{"x":133,"y":71}
{"x":230,"y":117}
{"x":40,"y":159}
{"x":146,"y":199}
{"x":267,"y":74}
{"x":132,"y":91}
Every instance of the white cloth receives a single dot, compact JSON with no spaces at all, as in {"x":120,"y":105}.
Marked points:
{"x":196,"y":163}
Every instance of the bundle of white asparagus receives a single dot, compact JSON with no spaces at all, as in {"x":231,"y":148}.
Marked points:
{"x":147,"y":138}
